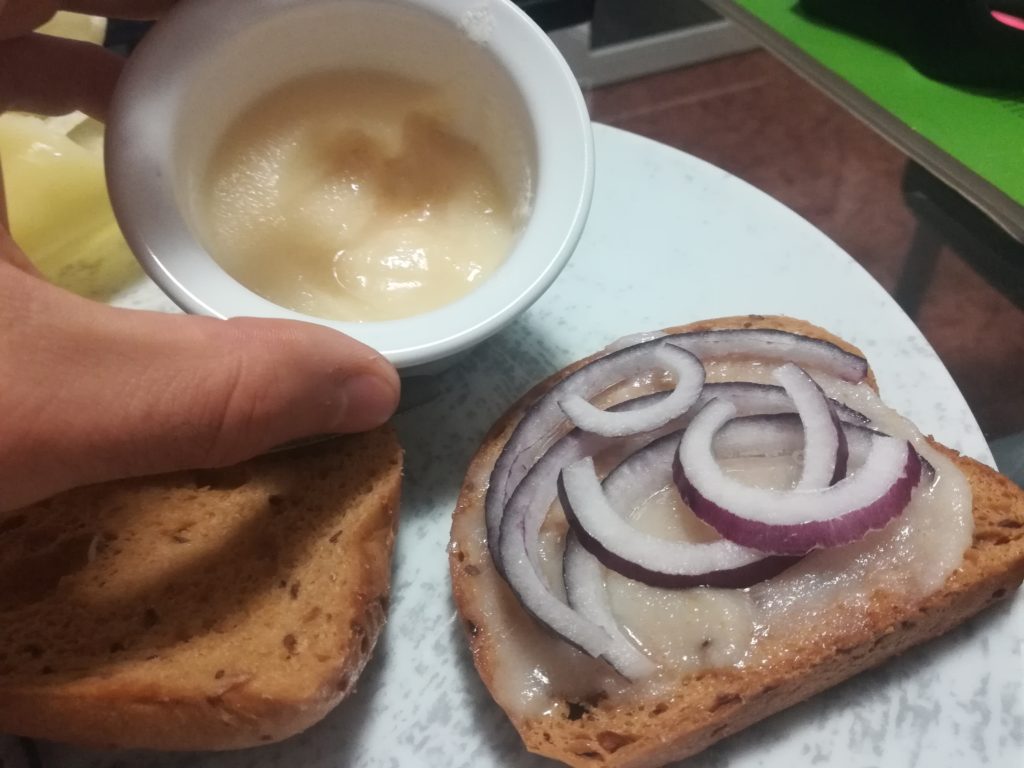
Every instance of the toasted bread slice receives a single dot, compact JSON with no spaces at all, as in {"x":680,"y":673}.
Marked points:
{"x":214,"y":609}
{"x":709,"y":705}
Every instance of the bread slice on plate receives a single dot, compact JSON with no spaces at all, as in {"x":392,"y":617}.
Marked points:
{"x":575,"y":708}
{"x":213,"y":609}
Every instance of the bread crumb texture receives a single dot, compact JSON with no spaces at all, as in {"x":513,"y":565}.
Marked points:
{"x":708,"y":706}
{"x":198,"y":610}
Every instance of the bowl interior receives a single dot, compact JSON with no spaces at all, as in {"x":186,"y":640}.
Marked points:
{"x":211,"y":59}
{"x":358,"y":34}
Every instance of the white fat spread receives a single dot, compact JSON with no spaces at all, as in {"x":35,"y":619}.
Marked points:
{"x":827,"y":592}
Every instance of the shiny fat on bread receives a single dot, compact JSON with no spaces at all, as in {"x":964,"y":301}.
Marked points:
{"x":574,"y":708}
{"x":204,"y":610}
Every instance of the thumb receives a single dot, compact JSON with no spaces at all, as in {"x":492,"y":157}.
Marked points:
{"x":96,"y":393}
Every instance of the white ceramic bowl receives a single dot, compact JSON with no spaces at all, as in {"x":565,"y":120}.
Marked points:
{"x":209,"y":59}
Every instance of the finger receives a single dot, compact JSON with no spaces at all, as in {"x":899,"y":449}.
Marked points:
{"x":99,"y":393}
{"x":119,"y":9}
{"x":51,"y":76}
{"x":19,"y":17}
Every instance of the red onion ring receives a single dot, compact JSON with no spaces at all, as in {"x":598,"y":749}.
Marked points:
{"x":528,"y":507}
{"x":536,"y":597}
{"x":593,"y":512}
{"x":797,"y":521}
{"x":753,"y":399}
{"x":763,"y":435}
{"x":778,"y":434}
{"x":532,"y":498}
{"x":689,"y":378}
{"x":541,"y":423}
{"x":520,"y":532}
{"x":587,"y":594}
{"x":523,"y":480}
{"x":825,"y":449}
{"x":771,"y":345}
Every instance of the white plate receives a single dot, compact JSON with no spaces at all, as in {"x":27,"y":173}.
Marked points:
{"x":670,"y":240}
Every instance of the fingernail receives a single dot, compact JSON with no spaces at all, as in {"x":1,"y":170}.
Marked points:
{"x":370,"y":400}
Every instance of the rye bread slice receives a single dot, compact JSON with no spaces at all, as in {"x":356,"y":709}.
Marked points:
{"x":214,"y":609}
{"x":712,"y":704}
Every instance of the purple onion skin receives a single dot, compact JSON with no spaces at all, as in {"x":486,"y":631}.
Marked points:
{"x":802,"y":538}
{"x":734,"y":578}
{"x":518,"y":454}
{"x":509,"y":470}
{"x":845,"y":365}
{"x":842,"y":450}
{"x":840,"y":412}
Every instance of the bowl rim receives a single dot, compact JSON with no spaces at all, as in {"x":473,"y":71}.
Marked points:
{"x":140,"y":149}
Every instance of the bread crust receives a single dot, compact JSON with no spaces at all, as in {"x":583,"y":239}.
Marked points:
{"x":713,"y":704}
{"x":234,"y":687}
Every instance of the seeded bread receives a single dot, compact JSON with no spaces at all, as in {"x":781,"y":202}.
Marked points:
{"x":710,"y":705}
{"x":215,"y":609}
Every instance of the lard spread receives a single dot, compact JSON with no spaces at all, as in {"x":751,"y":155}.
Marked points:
{"x":686,"y":630}
{"x":348,"y":196}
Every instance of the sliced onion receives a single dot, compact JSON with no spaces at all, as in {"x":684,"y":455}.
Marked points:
{"x":537,"y":491}
{"x":536,"y":597}
{"x":767,"y":344}
{"x":543,"y":422}
{"x":523,"y":480}
{"x":779,"y":434}
{"x":529,"y":505}
{"x":519,"y":556}
{"x":538,"y":487}
{"x":588,"y":595}
{"x":824,"y":443}
{"x":793,"y":522}
{"x":595,"y":516}
{"x":762,"y":399}
{"x":689,"y":381}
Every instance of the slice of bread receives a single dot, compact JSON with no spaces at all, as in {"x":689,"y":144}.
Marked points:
{"x":707,"y":706}
{"x":214,"y":609}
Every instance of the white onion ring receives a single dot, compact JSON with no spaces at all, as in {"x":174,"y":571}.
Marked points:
{"x":538,"y":489}
{"x":536,"y":596}
{"x":772,"y":345}
{"x":522,"y":481}
{"x":543,"y":421}
{"x":689,"y":378}
{"x":593,"y":512}
{"x":796,"y":521}
{"x":824,"y":442}
{"x":778,"y":434}
{"x":540,"y":425}
{"x":587,"y":594}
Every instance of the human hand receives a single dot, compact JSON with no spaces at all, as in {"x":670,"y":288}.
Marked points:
{"x":52,"y":76}
{"x":91,"y":393}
